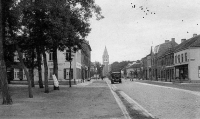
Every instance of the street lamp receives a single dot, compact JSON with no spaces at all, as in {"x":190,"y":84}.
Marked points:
{"x":69,"y":58}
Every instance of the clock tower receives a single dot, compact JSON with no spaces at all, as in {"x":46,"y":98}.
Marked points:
{"x":105,"y":58}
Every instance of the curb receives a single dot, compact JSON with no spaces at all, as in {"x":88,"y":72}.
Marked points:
{"x":133,"y":104}
{"x":119,"y":102}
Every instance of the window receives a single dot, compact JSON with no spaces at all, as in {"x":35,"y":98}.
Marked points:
{"x":24,"y":75}
{"x":178,"y":58}
{"x":186,"y":57}
{"x":181,"y":57}
{"x":51,"y":56}
{"x":16,"y":73}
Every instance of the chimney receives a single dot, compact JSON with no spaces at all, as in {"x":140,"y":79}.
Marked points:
{"x":166,"y":41}
{"x":194,"y":34}
{"x":173,"y":39}
{"x":182,"y":40}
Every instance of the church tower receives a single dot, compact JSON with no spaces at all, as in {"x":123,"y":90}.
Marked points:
{"x":105,"y":58}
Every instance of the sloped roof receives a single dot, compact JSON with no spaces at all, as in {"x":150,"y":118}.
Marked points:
{"x":192,"y":42}
{"x":165,"y":47}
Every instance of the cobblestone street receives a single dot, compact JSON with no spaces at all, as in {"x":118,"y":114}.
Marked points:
{"x":163,"y":102}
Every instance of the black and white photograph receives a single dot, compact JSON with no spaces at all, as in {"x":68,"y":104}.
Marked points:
{"x":100,"y":59}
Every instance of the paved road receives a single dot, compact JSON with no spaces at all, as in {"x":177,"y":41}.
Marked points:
{"x":162,"y":102}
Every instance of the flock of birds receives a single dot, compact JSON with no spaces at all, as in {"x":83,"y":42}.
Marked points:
{"x":147,"y":11}
{"x":144,"y":9}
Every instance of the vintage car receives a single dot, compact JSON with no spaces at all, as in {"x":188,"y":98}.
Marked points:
{"x":115,"y":77}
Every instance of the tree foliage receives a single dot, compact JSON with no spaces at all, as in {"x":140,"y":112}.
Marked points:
{"x":118,"y":66}
{"x":99,"y":67}
{"x":39,"y":26}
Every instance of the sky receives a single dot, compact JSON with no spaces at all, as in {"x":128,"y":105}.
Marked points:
{"x":131,"y":27}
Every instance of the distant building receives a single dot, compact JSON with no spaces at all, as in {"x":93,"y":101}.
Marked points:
{"x":134,"y":70}
{"x":105,"y":59}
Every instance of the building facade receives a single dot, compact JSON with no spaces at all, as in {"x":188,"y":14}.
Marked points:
{"x":186,"y":60}
{"x":85,"y":60}
{"x":157,"y":62}
{"x":80,"y":65}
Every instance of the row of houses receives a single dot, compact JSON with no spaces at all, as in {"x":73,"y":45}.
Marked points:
{"x":170,"y":61}
{"x":80,"y":65}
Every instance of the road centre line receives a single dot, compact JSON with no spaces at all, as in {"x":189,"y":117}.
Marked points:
{"x":119,"y":102}
{"x":188,"y":91}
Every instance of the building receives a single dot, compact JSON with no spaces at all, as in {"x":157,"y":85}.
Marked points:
{"x":144,"y":68}
{"x":186,"y":60}
{"x":105,"y":59}
{"x":80,"y":65}
{"x":156,"y":57}
{"x":64,"y":65}
{"x":149,"y":76}
{"x":134,"y":70}
{"x":167,"y":63}
{"x":86,"y":60}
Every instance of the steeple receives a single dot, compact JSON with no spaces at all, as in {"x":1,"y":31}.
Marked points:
{"x":105,"y":59}
{"x":151,"y":50}
{"x":105,"y":53}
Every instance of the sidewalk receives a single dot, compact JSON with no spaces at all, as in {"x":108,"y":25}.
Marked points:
{"x":83,"y":101}
{"x":186,"y":86}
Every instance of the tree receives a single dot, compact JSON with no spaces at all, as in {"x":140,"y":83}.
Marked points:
{"x":4,"y":84}
{"x":118,"y":66}
{"x":99,"y":67}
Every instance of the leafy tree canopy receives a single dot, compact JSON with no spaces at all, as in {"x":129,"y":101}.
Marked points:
{"x":118,"y":66}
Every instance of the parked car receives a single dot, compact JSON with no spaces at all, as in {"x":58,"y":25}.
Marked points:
{"x":116,"y":77}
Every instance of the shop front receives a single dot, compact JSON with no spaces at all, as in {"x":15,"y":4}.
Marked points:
{"x":181,"y":72}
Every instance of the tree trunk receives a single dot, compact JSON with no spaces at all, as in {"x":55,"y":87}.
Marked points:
{"x":32,"y":69}
{"x":46,"y":83}
{"x":3,"y":77}
{"x":39,"y":67}
{"x":26,"y":71}
{"x":55,"y":61}
{"x":31,"y":77}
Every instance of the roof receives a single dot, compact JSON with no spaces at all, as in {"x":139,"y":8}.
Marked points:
{"x":192,"y":42}
{"x":169,"y":51}
{"x":105,"y":53}
{"x":165,"y":47}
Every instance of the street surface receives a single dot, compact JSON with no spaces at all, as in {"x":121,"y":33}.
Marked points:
{"x":163,"y":102}
{"x":89,"y":100}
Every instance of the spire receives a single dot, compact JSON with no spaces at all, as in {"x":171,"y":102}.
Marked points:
{"x":151,"y":51}
{"x":105,"y":52}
